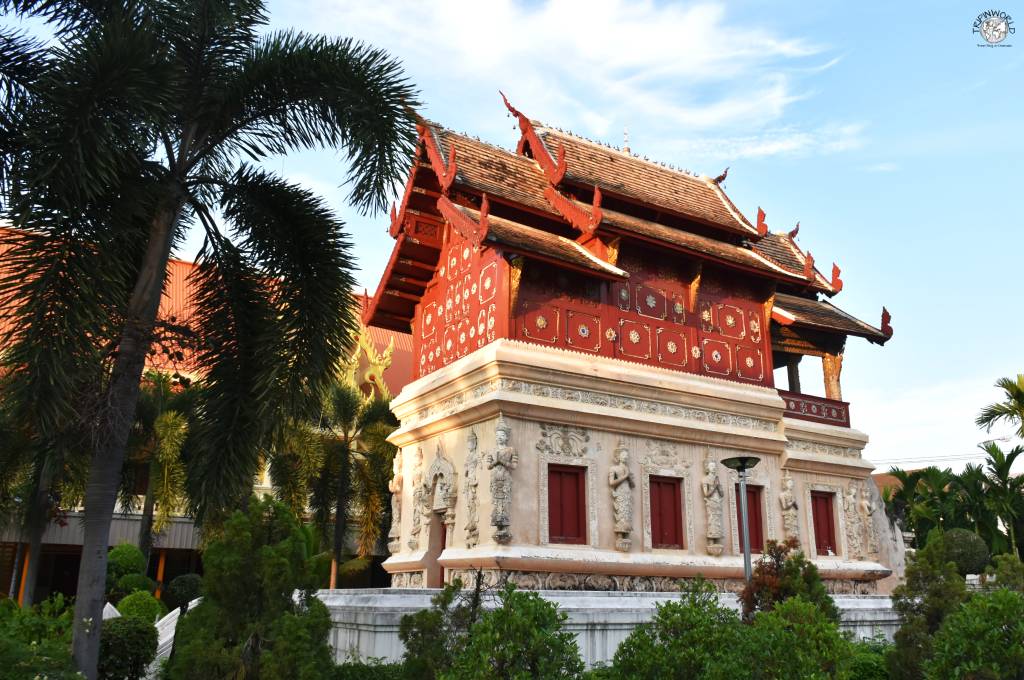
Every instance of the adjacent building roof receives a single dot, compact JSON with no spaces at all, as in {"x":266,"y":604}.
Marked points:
{"x":825,"y":316}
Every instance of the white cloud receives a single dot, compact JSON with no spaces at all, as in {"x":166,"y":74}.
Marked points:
{"x":661,"y":68}
{"x":787,"y":141}
{"x":882,"y":167}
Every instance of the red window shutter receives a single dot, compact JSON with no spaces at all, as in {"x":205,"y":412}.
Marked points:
{"x":755,"y":515}
{"x":666,"y":512}
{"x":824,"y":522}
{"x":567,"y":504}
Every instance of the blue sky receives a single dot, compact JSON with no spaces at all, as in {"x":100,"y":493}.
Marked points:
{"x":884,"y":129}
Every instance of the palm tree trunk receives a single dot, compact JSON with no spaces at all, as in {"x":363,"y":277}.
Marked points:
{"x":121,"y":398}
{"x":35,"y":527}
{"x":340,"y":498}
{"x":146,"y":521}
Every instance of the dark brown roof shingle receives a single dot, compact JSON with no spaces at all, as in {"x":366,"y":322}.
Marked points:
{"x":826,"y":316}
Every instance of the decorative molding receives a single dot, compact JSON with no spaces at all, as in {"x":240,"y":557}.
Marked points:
{"x":790,"y":508}
{"x":816,"y":409}
{"x":474,"y":232}
{"x":886,"y":326}
{"x":553,"y":169}
{"x":469,"y":490}
{"x":566,"y":445}
{"x":692,"y":414}
{"x":407,"y":579}
{"x":822,"y":449}
{"x":515,"y":275}
{"x":584,"y":222}
{"x":445,"y":172}
{"x":440,"y":489}
{"x":501,"y":463}
{"x":837,"y":283}
{"x":663,"y":459}
{"x":762,"y":226}
{"x":620,"y":483}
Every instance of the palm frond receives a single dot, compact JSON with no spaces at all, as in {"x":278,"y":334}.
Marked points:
{"x":168,"y":471}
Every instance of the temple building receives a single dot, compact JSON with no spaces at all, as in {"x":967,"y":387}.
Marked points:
{"x":592,"y":334}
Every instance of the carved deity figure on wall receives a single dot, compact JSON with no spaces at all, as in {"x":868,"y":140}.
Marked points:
{"x":501,"y":463}
{"x":621,"y":482}
{"x":787,"y":499}
{"x":418,"y":496}
{"x":868,"y":509}
{"x":854,"y":523}
{"x":711,"y":487}
{"x":469,"y":473}
{"x":395,"y":487}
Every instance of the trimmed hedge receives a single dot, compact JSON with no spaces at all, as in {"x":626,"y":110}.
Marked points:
{"x":127,"y":647}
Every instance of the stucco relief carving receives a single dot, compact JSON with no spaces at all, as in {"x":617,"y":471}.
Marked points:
{"x":395,"y":487}
{"x":440,"y":492}
{"x":711,"y":486}
{"x":566,"y":445}
{"x":818,"y":448}
{"x":470,"y":489}
{"x":501,"y":463}
{"x":868,"y":509}
{"x":418,"y":494}
{"x":620,"y":480}
{"x":563,"y":440}
{"x":759,"y":476}
{"x":458,"y":401}
{"x":665,"y":460}
{"x":407,"y":579}
{"x":790,"y":509}
{"x":854,"y":522}
{"x":838,"y":496}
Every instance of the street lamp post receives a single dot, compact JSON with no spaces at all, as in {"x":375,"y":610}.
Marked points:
{"x":741,"y":464}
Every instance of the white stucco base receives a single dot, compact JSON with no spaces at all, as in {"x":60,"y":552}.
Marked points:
{"x":366,"y":621}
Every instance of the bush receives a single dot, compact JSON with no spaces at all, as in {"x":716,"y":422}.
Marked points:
{"x":984,"y":640}
{"x":250,"y":624}
{"x":358,"y":670}
{"x":36,"y":642}
{"x":131,"y":583}
{"x":685,"y":639}
{"x":1009,"y":572}
{"x":127,"y":647}
{"x":781,"y":574}
{"x":522,"y":638}
{"x":431,"y":636}
{"x":183,"y":589}
{"x":140,"y":605}
{"x":932,"y":589}
{"x":797,"y":640}
{"x":868,"y":660}
{"x":967,"y":550}
{"x":124,"y":559}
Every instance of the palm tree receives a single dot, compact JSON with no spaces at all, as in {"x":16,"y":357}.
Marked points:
{"x":1005,"y":491}
{"x":155,"y":453}
{"x":125,"y":130}
{"x":1010,"y":410}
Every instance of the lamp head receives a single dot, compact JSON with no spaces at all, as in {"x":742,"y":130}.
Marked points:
{"x":741,"y":463}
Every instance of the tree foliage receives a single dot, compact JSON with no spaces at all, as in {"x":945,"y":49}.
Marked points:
{"x":258,"y":616}
{"x":982,"y":640}
{"x":781,"y":574}
{"x":127,"y":647}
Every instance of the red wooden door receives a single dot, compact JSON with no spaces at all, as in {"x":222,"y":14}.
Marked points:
{"x":755,"y":516}
{"x":567,"y":504}
{"x":666,"y":512}
{"x":824,"y":523}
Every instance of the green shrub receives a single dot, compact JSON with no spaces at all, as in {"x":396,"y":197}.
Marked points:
{"x":358,"y":670}
{"x":432,"y":636}
{"x":124,"y":559}
{"x":781,"y":574}
{"x":249,"y":623}
{"x":795,"y":640}
{"x":127,"y":647}
{"x":140,"y":605}
{"x":131,"y":583}
{"x":984,"y":640}
{"x":1008,"y":571}
{"x":522,"y":638}
{"x":868,"y":660}
{"x":36,"y":642}
{"x":967,"y":550}
{"x":932,"y":589}
{"x":183,"y":589}
{"x":685,"y":639}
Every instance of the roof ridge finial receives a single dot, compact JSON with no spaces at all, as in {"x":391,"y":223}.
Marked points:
{"x":625,"y":139}
{"x":795,"y":231}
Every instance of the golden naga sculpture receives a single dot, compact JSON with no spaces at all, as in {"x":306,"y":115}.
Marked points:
{"x":366,"y":365}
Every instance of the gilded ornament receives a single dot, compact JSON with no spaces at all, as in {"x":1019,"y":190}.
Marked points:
{"x":623,"y":294}
{"x":473,"y":290}
{"x":706,"y":316}
{"x":610,"y":334}
{"x":695,"y":352}
{"x":716,"y":356}
{"x":490,"y":322}
{"x":448,"y":344}
{"x":672,"y":347}
{"x":755,"y":325}
{"x":430,"y":317}
{"x":651,"y":301}
{"x":462,"y":338}
{"x":583,"y":331}
{"x":730,"y":320}
{"x":465,"y":253}
{"x":487,"y":283}
{"x":634,"y":337}
{"x":541,"y":322}
{"x":749,"y":362}
{"x":677,"y":308}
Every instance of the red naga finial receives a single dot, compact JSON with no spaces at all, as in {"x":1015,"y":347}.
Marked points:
{"x":762,"y":226}
{"x":396,"y":226}
{"x":837,"y":283}
{"x":886,"y":318}
{"x":445,"y":171}
{"x":474,"y":232}
{"x":579,"y":218}
{"x":554,"y":168}
{"x":809,"y":266}
{"x":795,"y":231}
